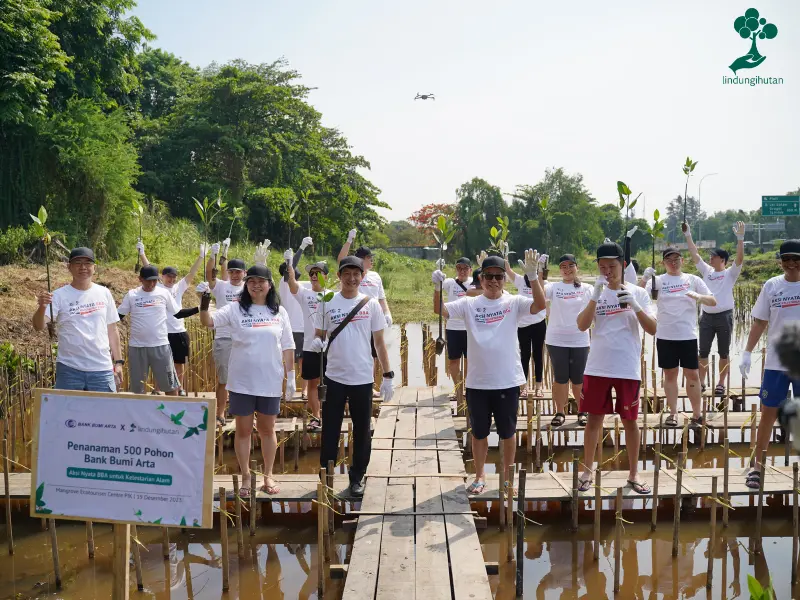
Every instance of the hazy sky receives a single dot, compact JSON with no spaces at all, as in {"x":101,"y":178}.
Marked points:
{"x":613,"y":90}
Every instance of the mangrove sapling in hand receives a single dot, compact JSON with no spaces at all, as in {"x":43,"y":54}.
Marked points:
{"x":209,"y":211}
{"x":138,"y":213}
{"x":445,"y":234}
{"x":326,"y":295}
{"x":40,"y":227}
{"x":688,"y":169}
{"x":656,"y":231}
{"x":547,"y":218}
{"x":624,"y":193}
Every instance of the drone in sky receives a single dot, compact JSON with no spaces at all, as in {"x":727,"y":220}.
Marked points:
{"x":424,"y":97}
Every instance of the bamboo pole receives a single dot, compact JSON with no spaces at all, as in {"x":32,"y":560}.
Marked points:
{"x":510,"y":516}
{"x":725,"y":478}
{"x":685,"y":436}
{"x":223,"y":533}
{"x":752,"y":426}
{"x":654,"y":513}
{"x":238,"y":500}
{"x":538,"y":435}
{"x":297,"y":446}
{"x":760,"y":510}
{"x":120,"y":559}
{"x":252,"y":498}
{"x":713,"y":537}
{"x":281,"y":450}
{"x":501,"y":517}
{"x":520,"y":571}
{"x":575,"y":490}
{"x":9,"y":532}
{"x":137,"y":559}
{"x":90,"y":539}
{"x":350,"y":443}
{"x":598,"y":503}
{"x":329,"y":513}
{"x":341,"y":457}
{"x":529,"y":417}
{"x":794,"y":522}
{"x":676,"y":520}
{"x":165,"y":542}
{"x":616,"y":442}
{"x":617,"y":539}
{"x":321,"y":536}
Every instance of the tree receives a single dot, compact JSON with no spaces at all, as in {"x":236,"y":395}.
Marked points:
{"x":694,"y":215}
{"x":402,"y":233}
{"x":479,"y":205}
{"x":164,"y":80}
{"x":425,"y":218}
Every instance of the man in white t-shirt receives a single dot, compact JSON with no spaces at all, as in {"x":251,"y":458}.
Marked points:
{"x":148,"y":345}
{"x":717,"y":321}
{"x":455,"y":329}
{"x":778,"y":304}
{"x":85,"y":317}
{"x":676,"y":339}
{"x":176,"y":330}
{"x":495,"y":373}
{"x":349,"y":374}
{"x":618,"y":311}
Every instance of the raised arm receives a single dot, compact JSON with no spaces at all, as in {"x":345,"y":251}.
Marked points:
{"x":291,"y":280}
{"x":586,"y":316}
{"x":738,"y":231}
{"x":346,"y":247}
{"x":438,"y":277}
{"x":196,"y":265}
{"x":142,"y":257}
{"x":210,"y":276}
{"x":307,"y":241}
{"x":687,"y":233}
{"x":510,"y":273}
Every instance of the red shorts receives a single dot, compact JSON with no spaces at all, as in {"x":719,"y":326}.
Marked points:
{"x":596,"y":396}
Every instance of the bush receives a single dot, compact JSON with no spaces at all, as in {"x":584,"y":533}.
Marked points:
{"x":15,"y":243}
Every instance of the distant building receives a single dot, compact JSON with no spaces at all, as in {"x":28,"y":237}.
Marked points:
{"x":683,"y":246}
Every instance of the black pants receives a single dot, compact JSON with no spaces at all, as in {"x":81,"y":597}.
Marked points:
{"x":531,"y":342}
{"x":360,"y":399}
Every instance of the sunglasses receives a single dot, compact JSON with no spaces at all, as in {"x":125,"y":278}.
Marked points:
{"x":495,"y":276}
{"x":788,"y":257}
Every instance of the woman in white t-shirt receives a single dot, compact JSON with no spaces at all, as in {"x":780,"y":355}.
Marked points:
{"x":262,"y":352}
{"x":568,"y":346}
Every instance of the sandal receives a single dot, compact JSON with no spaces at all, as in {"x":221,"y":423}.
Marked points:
{"x":221,"y":422}
{"x":753,"y":480}
{"x":698,"y":423}
{"x":719,"y":390}
{"x":585,"y":484}
{"x":558,"y":419}
{"x":640,"y":487}
{"x":476,"y":487}
{"x":244,"y":492}
{"x":583,"y":419}
{"x":671,"y":421}
{"x":314,"y":425}
{"x":271,"y":490}
{"x":538,"y":393}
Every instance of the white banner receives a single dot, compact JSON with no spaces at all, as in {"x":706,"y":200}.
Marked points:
{"x":123,"y":458}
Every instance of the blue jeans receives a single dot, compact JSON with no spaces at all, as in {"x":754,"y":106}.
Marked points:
{"x":68,"y":378}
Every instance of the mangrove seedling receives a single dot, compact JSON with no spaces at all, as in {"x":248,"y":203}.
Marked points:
{"x":445,"y":230}
{"x":625,"y":202}
{"x":656,"y":231}
{"x":40,"y":227}
{"x":208,"y":211}
{"x":138,"y":213}
{"x":237,"y":212}
{"x":547,"y":218}
{"x":688,"y":169}
{"x":498,"y":237}
{"x":326,"y":295}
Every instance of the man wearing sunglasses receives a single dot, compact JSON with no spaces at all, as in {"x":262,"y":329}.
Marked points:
{"x":495,"y":373}
{"x":778,"y":304}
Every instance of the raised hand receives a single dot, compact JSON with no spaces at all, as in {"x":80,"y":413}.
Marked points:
{"x":140,"y":246}
{"x":531,"y":264}
{"x":738,"y":230}
{"x":307,"y":241}
{"x":44,"y":298}
{"x":214,"y":248}
{"x":632,"y":231}
{"x":288,"y":255}
{"x":438,"y":277}
{"x":351,"y":235}
{"x":649,"y":273}
{"x":481,"y":257}
{"x":202,"y":288}
{"x":599,"y":284}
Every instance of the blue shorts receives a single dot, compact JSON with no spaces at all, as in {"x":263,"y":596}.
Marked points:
{"x":775,"y":388}
{"x":68,"y":378}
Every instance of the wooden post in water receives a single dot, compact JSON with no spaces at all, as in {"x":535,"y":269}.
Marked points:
{"x":9,"y":532}
{"x":281,"y":450}
{"x":713,"y":536}
{"x":598,"y":503}
{"x":501,"y":517}
{"x":617,"y":539}
{"x":529,"y":417}
{"x":90,"y":539}
{"x":137,"y":559}
{"x":223,"y":535}
{"x":510,"y":515}
{"x":685,"y":436}
{"x":575,"y":468}
{"x":165,"y":541}
{"x":54,"y":549}
{"x":794,"y":522}
{"x":321,"y":528}
{"x":752,"y":426}
{"x":120,"y":560}
{"x":329,"y":497}
{"x":676,"y":520}
{"x":297,"y":446}
{"x":520,"y":533}
{"x":760,"y":510}
{"x":538,"y":434}
{"x":654,"y":514}
{"x":238,"y":500}
{"x":252,"y":498}
{"x":616,"y":442}
{"x":725,"y":477}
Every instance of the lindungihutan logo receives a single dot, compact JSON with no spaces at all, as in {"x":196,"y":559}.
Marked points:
{"x":752,"y":26}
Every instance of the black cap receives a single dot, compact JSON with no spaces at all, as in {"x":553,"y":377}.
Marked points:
{"x":260,"y":271}
{"x":149,"y":273}
{"x":567,"y":258}
{"x":475,"y":274}
{"x":464,"y":261}
{"x":81,"y":252}
{"x":235,"y":263}
{"x":609,"y":249}
{"x":363,"y":252}
{"x":321,"y":265}
{"x":493,"y":261}
{"x":790,"y":247}
{"x":351,"y":261}
{"x":723,"y":254}
{"x":282,"y":271}
{"x":169,"y":271}
{"x":670,"y":250}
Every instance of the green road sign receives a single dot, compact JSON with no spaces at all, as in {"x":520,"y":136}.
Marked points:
{"x":780,"y":206}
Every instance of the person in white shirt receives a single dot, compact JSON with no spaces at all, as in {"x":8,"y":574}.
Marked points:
{"x":455,"y":329}
{"x":85,"y":318}
{"x":262,"y":354}
{"x":225,"y":290}
{"x":676,"y":338}
{"x":291,"y":304}
{"x":617,"y":310}
{"x":349,"y":372}
{"x":176,"y":330}
{"x":778,"y":304}
{"x":495,"y":373}
{"x":717,"y":321}
{"x":148,"y":345}
{"x":567,"y":345}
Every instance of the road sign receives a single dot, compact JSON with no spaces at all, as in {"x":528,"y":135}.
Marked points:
{"x":780,"y":206}
{"x":776,"y":226}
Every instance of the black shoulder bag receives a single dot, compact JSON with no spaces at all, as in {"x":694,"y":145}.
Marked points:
{"x":322,"y":388}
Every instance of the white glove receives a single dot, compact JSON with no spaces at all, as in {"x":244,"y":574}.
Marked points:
{"x":291,"y":386}
{"x":307,"y":241}
{"x":214,"y":248}
{"x":687,"y":233}
{"x":693,"y":295}
{"x":202,"y":288}
{"x":744,"y":366}
{"x":440,"y":264}
{"x":387,"y":391}
{"x":388,"y":317}
{"x":481,"y":257}
{"x":226,"y":243}
{"x":288,"y":255}
{"x":632,"y":231}
{"x":531,"y":264}
{"x":317,"y":345}
{"x":627,"y":296}
{"x":140,"y":247}
{"x":599,"y":284}
{"x":438,"y":277}
{"x":543,"y":258}
{"x":649,"y":273}
{"x":738,"y":230}
{"x":351,"y":235}
{"x":260,"y":255}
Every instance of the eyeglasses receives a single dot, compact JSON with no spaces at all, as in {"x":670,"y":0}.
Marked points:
{"x":673,"y":261}
{"x":495,"y":276}
{"x":790,"y":257}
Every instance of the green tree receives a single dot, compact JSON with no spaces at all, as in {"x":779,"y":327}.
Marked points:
{"x":479,"y":205}
{"x":164,"y":80}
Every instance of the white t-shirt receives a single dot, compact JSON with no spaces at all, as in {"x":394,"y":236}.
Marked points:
{"x":617,"y":340}
{"x":149,"y":312}
{"x":453,"y":291}
{"x":309,"y":304}
{"x":494,"y":361}
{"x":82,"y":318}
{"x":176,"y":325}
{"x":350,"y":354}
{"x":527,"y":292}
{"x":258,"y":338}
{"x":372,"y":286}
{"x":566,"y":303}
{"x":677,"y":313}
{"x":779,"y":304}
{"x":630,"y":275}
{"x":721,"y":285}
{"x":225,"y":293}
{"x":289,"y":302}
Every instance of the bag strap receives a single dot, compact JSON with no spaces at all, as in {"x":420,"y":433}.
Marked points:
{"x":345,"y":321}
{"x":461,"y":285}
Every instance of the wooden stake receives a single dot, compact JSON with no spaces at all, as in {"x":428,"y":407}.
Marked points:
{"x":90,"y":539}
{"x":238,"y":500}
{"x":685,"y":440}
{"x":538,"y":434}
{"x":725,"y":476}
{"x":137,"y":559}
{"x":521,"y":533}
{"x":529,"y":417}
{"x":794,"y":522}
{"x":54,"y":548}
{"x":165,"y":541}
{"x":223,"y":533}
{"x":617,"y":539}
{"x":296,"y":447}
{"x":282,"y":450}
{"x":786,"y":445}
{"x":616,"y":442}
{"x":712,"y":539}
{"x":341,"y":457}
{"x":252,"y":498}
{"x":654,"y":513}
{"x":676,"y":520}
{"x":329,"y":512}
{"x":760,"y":510}
{"x":501,"y":517}
{"x":575,"y":468}
{"x":120,"y":560}
{"x":510,"y":515}
{"x":9,"y":532}
{"x":321,"y":537}
{"x":752,"y":426}
{"x":598,"y":503}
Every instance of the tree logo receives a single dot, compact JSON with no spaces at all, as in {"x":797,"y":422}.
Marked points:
{"x":753,"y":27}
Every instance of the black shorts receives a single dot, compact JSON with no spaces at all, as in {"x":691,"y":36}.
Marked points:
{"x":456,"y":344}
{"x":675,"y":353}
{"x":179,"y":344}
{"x":310,"y":368}
{"x":503,"y":404}
{"x":298,"y":345}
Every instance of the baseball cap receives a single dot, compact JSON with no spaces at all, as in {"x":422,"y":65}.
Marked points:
{"x":567,"y":258}
{"x":670,"y":250}
{"x":169,"y":271}
{"x":259,"y":271}
{"x":282,"y":271}
{"x":351,"y":261}
{"x":363,"y":252}
{"x":81,"y":252}
{"x":321,"y":265}
{"x":721,"y":253}
{"x":149,"y":273}
{"x":234,"y":264}
{"x":475,"y":275}
{"x":609,"y":249}
{"x":493,"y":261}
{"x":464,"y":261}
{"x":790,"y":247}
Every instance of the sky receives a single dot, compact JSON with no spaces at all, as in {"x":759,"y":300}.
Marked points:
{"x":619,"y":90}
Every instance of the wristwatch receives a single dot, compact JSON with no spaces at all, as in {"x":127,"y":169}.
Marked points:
{"x":119,"y":361}
{"x":389,"y":375}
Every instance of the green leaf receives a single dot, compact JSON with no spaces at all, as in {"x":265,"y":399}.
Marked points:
{"x":694,"y":164}
{"x":137,"y":513}
{"x":177,"y":418}
{"x":204,"y":424}
{"x":756,"y":591}
{"x":436,"y":237}
{"x":39,"y":493}
{"x":160,"y":407}
{"x":190,"y":432}
{"x":450,"y":237}
{"x":36,"y":220}
{"x":621,"y":202}
{"x":441,"y":222}
{"x":43,"y":511}
{"x":200,"y":211}
{"x":328,"y":297}
{"x":623,"y":189}
{"x":157,"y":521}
{"x":42,"y":214}
{"x":505,"y":221}
{"x":500,"y":220}
{"x":632,"y":204}
{"x":656,"y":215}
{"x":183,"y":522}
{"x":543,"y":203}
{"x":493,"y":232}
